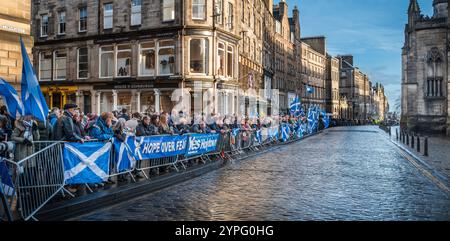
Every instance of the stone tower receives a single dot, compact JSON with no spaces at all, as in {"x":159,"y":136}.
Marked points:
{"x":425,"y":87}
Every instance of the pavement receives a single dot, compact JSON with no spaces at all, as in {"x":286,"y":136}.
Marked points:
{"x":438,"y":152}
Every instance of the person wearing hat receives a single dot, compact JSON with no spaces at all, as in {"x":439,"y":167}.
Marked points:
{"x":65,"y":128}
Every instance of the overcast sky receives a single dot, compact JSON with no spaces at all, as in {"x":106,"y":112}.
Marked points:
{"x":371,"y":30}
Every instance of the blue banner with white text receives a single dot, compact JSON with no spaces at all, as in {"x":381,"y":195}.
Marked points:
{"x":201,"y":143}
{"x":150,"y":147}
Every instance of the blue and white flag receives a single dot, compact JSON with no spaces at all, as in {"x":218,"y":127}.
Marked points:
{"x":86,"y":163}
{"x":273,"y":132}
{"x":11,"y":98}
{"x":5,"y":179}
{"x":309,"y":89}
{"x":295,"y":107}
{"x":32,"y":97}
{"x":312,"y":122}
{"x":123,"y":155}
{"x":235,"y":132}
{"x":258,"y":136}
{"x":285,"y":132}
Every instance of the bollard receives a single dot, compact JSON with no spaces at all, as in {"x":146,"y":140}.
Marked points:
{"x":407,"y":139}
{"x":425,"y":151}
{"x":396,"y":134}
{"x":390,"y":134}
{"x":412,"y":141}
{"x":418,"y":144}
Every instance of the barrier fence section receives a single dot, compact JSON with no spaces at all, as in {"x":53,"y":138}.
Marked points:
{"x":40,"y":177}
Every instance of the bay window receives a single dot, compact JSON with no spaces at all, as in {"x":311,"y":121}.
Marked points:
{"x":168,"y":10}
{"x":166,"y":57}
{"x":45,"y":66}
{"x":136,"y":12}
{"x":198,"y":49}
{"x":123,"y":60}
{"x":60,"y":64}
{"x":106,"y":62}
{"x":147,"y":59}
{"x":198,"y":9}
{"x":82,"y":63}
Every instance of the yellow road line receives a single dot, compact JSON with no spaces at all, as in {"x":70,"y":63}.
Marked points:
{"x":426,"y":173}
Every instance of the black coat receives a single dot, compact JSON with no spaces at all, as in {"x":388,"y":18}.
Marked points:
{"x":65,"y":129}
{"x":146,"y":130}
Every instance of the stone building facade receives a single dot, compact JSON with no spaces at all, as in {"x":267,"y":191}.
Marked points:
{"x":356,"y":87}
{"x":287,"y":54}
{"x":14,"y":23}
{"x":425,"y":70}
{"x":332,"y":86}
{"x":140,"y":55}
{"x":313,"y":72}
{"x":380,"y":103}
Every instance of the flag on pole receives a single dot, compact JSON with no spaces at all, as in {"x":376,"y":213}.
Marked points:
{"x":11,"y":98}
{"x":32,"y":97}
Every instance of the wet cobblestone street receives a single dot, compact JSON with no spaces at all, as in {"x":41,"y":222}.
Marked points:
{"x":346,"y":173}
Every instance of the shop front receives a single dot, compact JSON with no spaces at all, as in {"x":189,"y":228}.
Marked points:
{"x":142,"y":98}
{"x":58,"y":96}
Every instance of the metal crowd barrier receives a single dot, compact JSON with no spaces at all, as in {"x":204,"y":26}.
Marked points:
{"x":40,"y":176}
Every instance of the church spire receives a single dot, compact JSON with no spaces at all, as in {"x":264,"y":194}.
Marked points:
{"x":414,"y":7}
{"x":413,"y":12}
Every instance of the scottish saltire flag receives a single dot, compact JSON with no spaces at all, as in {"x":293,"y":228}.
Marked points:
{"x":5,"y":179}
{"x":325,"y":119}
{"x":309,"y":89}
{"x":123,"y":155}
{"x":273,"y":132}
{"x":285,"y":133}
{"x":312,"y":123}
{"x":235,"y":132}
{"x":86,"y":163}
{"x":32,"y":98}
{"x":258,"y":136}
{"x":11,"y":98}
{"x":295,"y":107}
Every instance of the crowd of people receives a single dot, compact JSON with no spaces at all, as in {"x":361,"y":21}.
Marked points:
{"x":72,"y":125}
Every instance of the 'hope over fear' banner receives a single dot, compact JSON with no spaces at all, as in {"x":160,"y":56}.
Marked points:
{"x":151,"y":147}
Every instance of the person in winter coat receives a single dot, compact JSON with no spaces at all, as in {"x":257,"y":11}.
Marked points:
{"x":146,"y":128}
{"x":25,"y":132}
{"x":202,"y":128}
{"x":65,"y":127}
{"x":101,"y":130}
{"x":164,"y":127}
